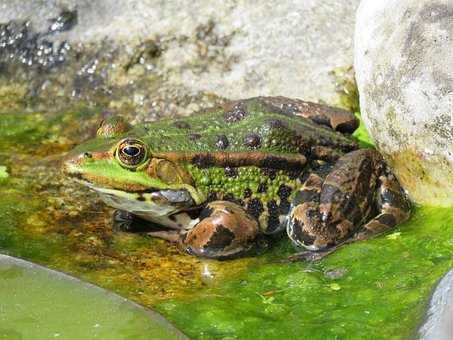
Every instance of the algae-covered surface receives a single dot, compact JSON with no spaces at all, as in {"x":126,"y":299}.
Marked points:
{"x":377,"y":288}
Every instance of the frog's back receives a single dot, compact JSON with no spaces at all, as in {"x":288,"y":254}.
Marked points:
{"x":247,"y":126}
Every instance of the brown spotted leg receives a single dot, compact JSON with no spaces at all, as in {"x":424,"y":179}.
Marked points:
{"x":225,"y":230}
{"x":393,"y":208}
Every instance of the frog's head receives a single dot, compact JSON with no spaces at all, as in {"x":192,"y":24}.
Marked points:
{"x":121,"y":168}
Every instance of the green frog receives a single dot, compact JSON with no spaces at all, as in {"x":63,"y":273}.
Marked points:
{"x":217,"y":181}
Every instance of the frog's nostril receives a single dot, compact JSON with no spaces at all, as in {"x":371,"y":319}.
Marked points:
{"x":87,"y":155}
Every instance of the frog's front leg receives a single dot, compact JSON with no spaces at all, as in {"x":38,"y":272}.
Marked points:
{"x":126,"y":221}
{"x":225,"y":230}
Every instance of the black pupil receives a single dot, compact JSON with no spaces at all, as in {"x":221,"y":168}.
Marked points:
{"x":131,"y":151}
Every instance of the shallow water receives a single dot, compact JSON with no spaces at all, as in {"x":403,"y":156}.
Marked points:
{"x":378,"y":288}
{"x":36,"y":303}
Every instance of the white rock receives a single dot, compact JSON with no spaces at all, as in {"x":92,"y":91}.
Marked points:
{"x":404,"y":69}
{"x":438,"y":323}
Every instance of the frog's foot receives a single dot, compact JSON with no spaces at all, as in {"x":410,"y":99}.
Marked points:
{"x":125,"y":221}
{"x":225,"y":230}
{"x":122,"y":220}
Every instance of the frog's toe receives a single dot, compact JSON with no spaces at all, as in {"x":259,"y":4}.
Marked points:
{"x":308,"y":256}
{"x":125,"y":221}
{"x":122,"y":220}
{"x":225,"y":231}
{"x":304,"y":227}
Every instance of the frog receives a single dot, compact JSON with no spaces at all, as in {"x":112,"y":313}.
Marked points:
{"x":217,"y":181}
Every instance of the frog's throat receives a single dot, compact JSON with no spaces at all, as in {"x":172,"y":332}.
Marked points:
{"x":146,"y":205}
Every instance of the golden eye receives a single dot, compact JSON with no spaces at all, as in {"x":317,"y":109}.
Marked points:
{"x":131,"y":153}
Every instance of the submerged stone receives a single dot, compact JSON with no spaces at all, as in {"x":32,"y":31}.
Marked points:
{"x":39,"y":303}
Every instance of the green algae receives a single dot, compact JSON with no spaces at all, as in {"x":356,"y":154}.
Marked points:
{"x":377,"y":288}
{"x":382,"y":293}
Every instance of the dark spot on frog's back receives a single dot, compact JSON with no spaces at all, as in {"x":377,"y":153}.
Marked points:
{"x":252,"y":140}
{"x":262,"y":188}
{"x":222,"y":142}
{"x":273,"y":222}
{"x":269,"y":172}
{"x":284,"y":191}
{"x":181,"y":124}
{"x":247,"y":193}
{"x":236,"y":114}
{"x":254,"y":208}
{"x":230,"y":172}
{"x":221,"y":238}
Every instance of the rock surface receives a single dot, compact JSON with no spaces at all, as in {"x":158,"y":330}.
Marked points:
{"x":438,"y":324}
{"x":404,"y":70}
{"x":152,"y":55}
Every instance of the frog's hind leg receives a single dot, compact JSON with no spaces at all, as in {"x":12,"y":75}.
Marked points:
{"x":225,"y":230}
{"x":393,"y":207}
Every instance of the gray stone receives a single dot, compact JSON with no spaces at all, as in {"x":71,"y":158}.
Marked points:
{"x":404,"y":70}
{"x":438,"y":324}
{"x":155,"y":55}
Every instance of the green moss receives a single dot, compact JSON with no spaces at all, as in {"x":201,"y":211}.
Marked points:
{"x":383,"y":293}
{"x":361,"y":134}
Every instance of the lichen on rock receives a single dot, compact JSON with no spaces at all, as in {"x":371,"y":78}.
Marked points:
{"x":404,"y":72}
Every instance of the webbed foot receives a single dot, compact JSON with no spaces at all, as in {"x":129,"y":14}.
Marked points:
{"x":122,"y":221}
{"x":125,"y":221}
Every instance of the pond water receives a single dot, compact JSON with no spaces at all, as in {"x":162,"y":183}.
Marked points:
{"x":38,"y":303}
{"x":378,"y":288}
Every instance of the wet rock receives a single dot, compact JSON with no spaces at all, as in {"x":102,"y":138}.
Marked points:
{"x":438,"y":324}
{"x":153,"y":58}
{"x":404,"y":73}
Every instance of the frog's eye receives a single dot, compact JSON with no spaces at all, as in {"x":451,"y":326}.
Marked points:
{"x":131,"y":153}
